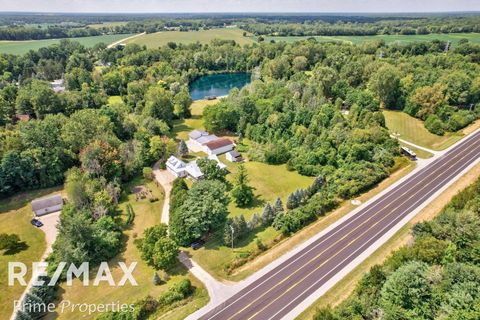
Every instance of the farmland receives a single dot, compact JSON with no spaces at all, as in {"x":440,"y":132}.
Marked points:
{"x":154,"y":40}
{"x":401,"y":39}
{"x":21,"y":47}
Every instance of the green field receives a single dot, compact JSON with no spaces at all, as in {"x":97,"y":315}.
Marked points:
{"x":108,"y":24}
{"x":154,"y":40}
{"x":412,"y":129}
{"x":21,"y":47}
{"x":15,"y":216}
{"x":402,"y":39}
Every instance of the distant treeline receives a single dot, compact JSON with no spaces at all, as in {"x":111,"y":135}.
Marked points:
{"x":359,"y":27}
{"x":24,"y":27}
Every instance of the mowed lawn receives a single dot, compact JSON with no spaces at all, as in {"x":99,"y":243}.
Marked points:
{"x":401,"y":39}
{"x":147,"y":214}
{"x":21,"y":47}
{"x":181,"y":128}
{"x":413,"y":130}
{"x":15,"y":216}
{"x":154,"y":40}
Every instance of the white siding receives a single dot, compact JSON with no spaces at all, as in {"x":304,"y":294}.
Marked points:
{"x":220,"y":150}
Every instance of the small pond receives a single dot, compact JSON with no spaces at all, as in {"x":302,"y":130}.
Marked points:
{"x":218,"y":84}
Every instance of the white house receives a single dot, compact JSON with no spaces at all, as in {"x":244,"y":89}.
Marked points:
{"x":234,"y":156}
{"x":193,"y":170}
{"x":46,"y":205}
{"x":176,"y":167}
{"x":219,"y":146}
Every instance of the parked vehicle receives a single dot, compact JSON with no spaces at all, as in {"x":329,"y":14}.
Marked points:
{"x":36,"y":223}
{"x":197,"y":244}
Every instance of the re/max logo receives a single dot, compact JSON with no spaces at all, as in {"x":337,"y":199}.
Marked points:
{"x":18,"y":270}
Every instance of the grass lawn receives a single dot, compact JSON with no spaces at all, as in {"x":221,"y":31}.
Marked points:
{"x":181,"y":128}
{"x":146,"y":215}
{"x":15,"y":216}
{"x":420,"y":153}
{"x":402,"y":39}
{"x":154,"y":40}
{"x":413,"y":130}
{"x":21,"y":47}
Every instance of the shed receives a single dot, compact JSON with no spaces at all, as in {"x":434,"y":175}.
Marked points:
{"x":46,"y":205}
{"x":234,"y":156}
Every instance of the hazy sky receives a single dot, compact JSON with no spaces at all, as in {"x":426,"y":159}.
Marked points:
{"x":239,"y":5}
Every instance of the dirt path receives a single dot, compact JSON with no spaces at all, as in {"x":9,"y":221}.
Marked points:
{"x":124,"y":39}
{"x":165,"y":179}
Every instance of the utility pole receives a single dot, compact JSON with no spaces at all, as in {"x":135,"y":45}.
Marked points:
{"x":233,"y":231}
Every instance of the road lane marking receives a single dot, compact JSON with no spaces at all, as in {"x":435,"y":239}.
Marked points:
{"x":361,"y":214}
{"x":335,"y":243}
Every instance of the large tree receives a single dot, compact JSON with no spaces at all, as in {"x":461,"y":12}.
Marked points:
{"x":385,"y":83}
{"x":242,"y":192}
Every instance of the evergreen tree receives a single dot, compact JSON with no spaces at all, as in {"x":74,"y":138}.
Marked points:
{"x":156,"y":279}
{"x":242,"y":192}
{"x":267,"y":215}
{"x":241,"y":227}
{"x":182,"y":149}
{"x":278,"y":207}
{"x":253,"y":223}
{"x":292,"y":200}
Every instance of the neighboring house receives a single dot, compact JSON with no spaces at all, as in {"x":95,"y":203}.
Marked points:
{"x":215,"y":158}
{"x":58,"y":85}
{"x":46,"y":205}
{"x":200,"y":138}
{"x":176,"y":167}
{"x":234,"y":156}
{"x":219,"y":146}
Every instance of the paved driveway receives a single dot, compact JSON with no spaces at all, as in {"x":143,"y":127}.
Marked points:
{"x":165,"y":179}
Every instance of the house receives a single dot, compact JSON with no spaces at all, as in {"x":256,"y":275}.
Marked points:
{"x":58,"y":85}
{"x":234,"y":156}
{"x":215,"y":158}
{"x":219,"y":146}
{"x":199,"y":138}
{"x":46,"y":205}
{"x":193,"y":171}
{"x":176,"y":167}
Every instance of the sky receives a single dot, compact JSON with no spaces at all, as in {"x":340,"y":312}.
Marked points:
{"x":154,"y":6}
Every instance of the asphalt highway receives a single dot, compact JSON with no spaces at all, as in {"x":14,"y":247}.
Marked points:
{"x":279,"y":291}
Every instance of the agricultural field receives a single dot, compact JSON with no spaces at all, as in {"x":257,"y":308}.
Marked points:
{"x":22,"y":47}
{"x":147,"y":214}
{"x":107,"y":24}
{"x":154,"y":40}
{"x":401,"y":39}
{"x":15,"y":216}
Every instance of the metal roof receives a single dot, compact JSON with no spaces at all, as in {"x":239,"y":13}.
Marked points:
{"x":47,"y":202}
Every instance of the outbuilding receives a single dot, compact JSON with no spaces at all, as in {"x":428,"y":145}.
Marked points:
{"x":219,"y":146}
{"x":234,"y":156}
{"x":46,"y":205}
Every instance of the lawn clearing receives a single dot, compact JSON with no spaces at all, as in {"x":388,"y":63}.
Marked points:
{"x":181,"y":128}
{"x":401,"y":39}
{"x":414,"y":131}
{"x":154,"y":40}
{"x":147,"y":214}
{"x":22,"y":47}
{"x":15,"y":216}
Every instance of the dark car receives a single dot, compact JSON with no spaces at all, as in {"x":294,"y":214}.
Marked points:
{"x":36,"y":223}
{"x":197,"y":244}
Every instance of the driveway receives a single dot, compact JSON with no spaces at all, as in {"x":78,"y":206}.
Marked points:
{"x":50,"y":222}
{"x":193,"y":147}
{"x":165,"y":179}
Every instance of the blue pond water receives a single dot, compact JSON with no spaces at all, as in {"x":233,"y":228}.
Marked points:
{"x":217,"y":84}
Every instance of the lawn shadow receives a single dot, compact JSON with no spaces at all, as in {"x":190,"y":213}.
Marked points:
{"x":22,"y":199}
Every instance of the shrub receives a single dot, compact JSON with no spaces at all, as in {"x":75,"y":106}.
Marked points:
{"x":148,"y":174}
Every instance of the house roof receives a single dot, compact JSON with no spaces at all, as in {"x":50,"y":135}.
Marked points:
{"x":195,"y":134}
{"x":194,"y":170}
{"x":206,"y":139}
{"x":219,"y":143}
{"x":175,"y":163}
{"x":46,"y":202}
{"x":235,"y":154}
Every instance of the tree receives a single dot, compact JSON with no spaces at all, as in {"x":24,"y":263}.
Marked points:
{"x":9,"y":242}
{"x":182,"y":149}
{"x":278,"y":206}
{"x":242,"y":192}
{"x":204,"y":210}
{"x":158,"y":104}
{"x":267,"y":214}
{"x":427,"y":100}
{"x":385,"y":83}
{"x":99,"y":158}
{"x":156,"y":279}
{"x":157,"y":249}
{"x":148,"y":174}
{"x":211,"y":170}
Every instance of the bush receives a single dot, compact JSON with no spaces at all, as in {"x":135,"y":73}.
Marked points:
{"x":435,"y":125}
{"x":148,"y":174}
